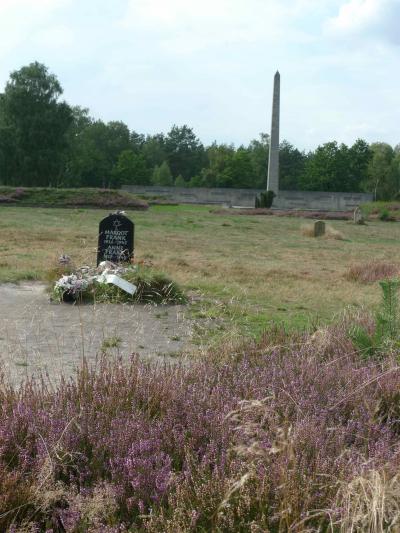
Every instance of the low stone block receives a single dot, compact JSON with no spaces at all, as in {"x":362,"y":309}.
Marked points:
{"x":319,"y":228}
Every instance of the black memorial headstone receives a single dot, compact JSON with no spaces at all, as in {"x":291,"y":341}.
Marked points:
{"x":116,"y":234}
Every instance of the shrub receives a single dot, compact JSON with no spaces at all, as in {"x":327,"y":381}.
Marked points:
{"x":384,"y":214}
{"x":265,"y":200}
{"x":386,"y":337}
{"x":372,"y":271}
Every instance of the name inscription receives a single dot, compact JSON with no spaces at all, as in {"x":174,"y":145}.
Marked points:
{"x":116,"y":234}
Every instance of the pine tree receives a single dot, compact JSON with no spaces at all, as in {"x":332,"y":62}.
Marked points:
{"x":180,"y":182}
{"x":162,"y":175}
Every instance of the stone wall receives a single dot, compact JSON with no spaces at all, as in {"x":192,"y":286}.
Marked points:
{"x":326,"y":201}
{"x":322,"y":201}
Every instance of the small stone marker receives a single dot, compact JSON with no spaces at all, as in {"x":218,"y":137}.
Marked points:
{"x":116,"y":234}
{"x":319,"y":228}
{"x":358,"y":216}
{"x":64,"y":260}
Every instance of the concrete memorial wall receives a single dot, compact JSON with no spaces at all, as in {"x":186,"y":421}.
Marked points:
{"x":307,"y":200}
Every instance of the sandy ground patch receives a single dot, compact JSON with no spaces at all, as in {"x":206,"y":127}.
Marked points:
{"x":36,"y":335}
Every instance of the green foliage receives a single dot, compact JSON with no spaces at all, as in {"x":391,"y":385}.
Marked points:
{"x":184,"y":152}
{"x":217,"y":171}
{"x":269,"y":198}
{"x":258,"y":150}
{"x":154,"y":150}
{"x":130,"y":169}
{"x":227,"y":167}
{"x":95,"y":148}
{"x":180,"y":182}
{"x":33,"y":127}
{"x":372,"y":209}
{"x":383,"y":176}
{"x":241,"y":170}
{"x":336,"y":168}
{"x":384,"y":214}
{"x":162,"y":175}
{"x":265,"y":199}
{"x":386,"y":336}
{"x":109,"y":343}
{"x":359,"y":158}
{"x":291,"y":166}
{"x":155,"y":287}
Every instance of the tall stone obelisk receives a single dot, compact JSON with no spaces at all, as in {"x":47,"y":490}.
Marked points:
{"x":273,"y":161}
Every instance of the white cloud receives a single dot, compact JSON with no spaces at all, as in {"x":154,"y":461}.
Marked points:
{"x":20,"y":19}
{"x":356,"y":14}
{"x":187,"y":26}
{"x":55,"y":37}
{"x":6,"y":5}
{"x":379,"y":19}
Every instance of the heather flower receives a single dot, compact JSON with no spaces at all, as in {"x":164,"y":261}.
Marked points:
{"x":268,"y":437}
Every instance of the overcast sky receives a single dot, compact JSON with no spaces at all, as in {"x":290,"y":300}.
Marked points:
{"x":210,"y":63}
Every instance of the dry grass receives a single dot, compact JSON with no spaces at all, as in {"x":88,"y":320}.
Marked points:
{"x":307,"y":230}
{"x":332,"y":233}
{"x":224,"y":258}
{"x":372,"y":271}
{"x":370,"y":503}
{"x":319,"y":215}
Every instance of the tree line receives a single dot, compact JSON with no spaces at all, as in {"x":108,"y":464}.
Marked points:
{"x":46,"y":142}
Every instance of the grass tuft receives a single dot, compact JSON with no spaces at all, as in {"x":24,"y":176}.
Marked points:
{"x":370,"y":502}
{"x":307,"y":230}
{"x":152,"y":287}
{"x":332,"y":233}
{"x":372,"y":271}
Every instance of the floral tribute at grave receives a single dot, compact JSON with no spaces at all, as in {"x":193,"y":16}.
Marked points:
{"x":115,"y":279}
{"x":115,"y":283}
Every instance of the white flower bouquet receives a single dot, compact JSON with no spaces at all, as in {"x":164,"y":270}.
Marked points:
{"x":70,"y":287}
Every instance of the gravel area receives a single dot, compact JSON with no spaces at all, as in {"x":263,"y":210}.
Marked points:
{"x":39,"y":336}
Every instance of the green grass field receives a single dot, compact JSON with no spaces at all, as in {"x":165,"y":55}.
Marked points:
{"x":249,"y":271}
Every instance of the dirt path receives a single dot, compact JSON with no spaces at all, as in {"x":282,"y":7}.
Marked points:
{"x":36,"y":335}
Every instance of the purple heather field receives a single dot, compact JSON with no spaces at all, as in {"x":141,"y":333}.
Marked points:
{"x":266,"y":436}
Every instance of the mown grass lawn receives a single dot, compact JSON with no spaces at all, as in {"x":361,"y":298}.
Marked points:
{"x":249,"y":270}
